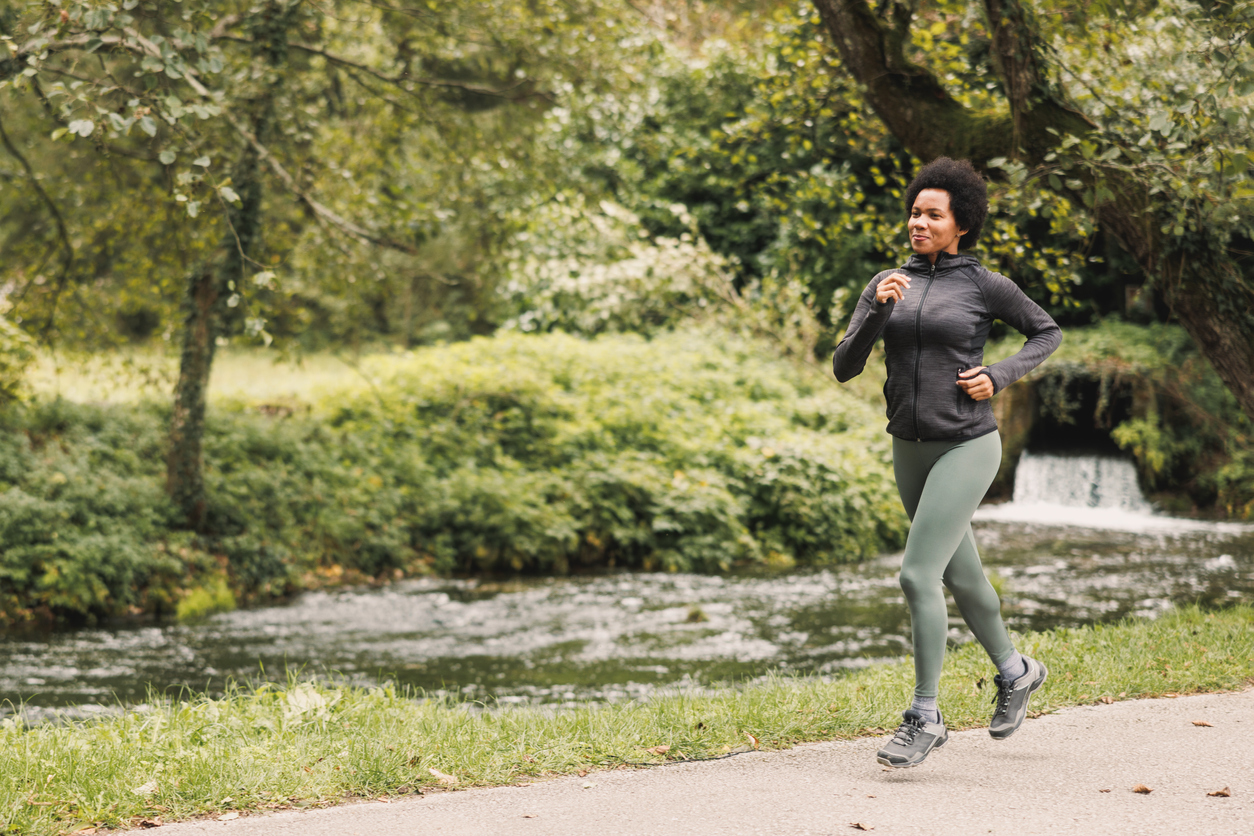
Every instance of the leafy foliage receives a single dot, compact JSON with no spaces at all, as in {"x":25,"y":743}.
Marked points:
{"x":1161,"y":401}
{"x":697,"y":451}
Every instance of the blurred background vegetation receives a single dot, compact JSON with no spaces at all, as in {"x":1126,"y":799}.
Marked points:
{"x":522,"y":286}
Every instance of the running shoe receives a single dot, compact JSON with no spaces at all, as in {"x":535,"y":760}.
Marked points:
{"x":914,"y":740}
{"x":1011,"y":700}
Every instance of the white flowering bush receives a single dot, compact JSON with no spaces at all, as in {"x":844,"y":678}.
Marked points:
{"x":590,"y":270}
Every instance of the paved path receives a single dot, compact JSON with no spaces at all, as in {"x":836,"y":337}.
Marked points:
{"x":1047,"y":779}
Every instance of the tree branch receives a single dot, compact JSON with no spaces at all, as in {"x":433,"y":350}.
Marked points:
{"x":320,"y":211}
{"x":62,"y":232}
{"x":911,"y":101}
{"x":399,"y":81}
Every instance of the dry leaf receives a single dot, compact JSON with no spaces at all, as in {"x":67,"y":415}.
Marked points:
{"x":1123,"y":694}
{"x":1224,"y":793}
{"x":444,"y":777}
{"x":232,"y":816}
{"x":752,"y":740}
{"x":147,"y":823}
{"x":1142,"y":789}
{"x":870,"y":796}
{"x":857,"y":825}
{"x":1108,"y":700}
{"x":528,"y":759}
{"x":530,"y":816}
{"x":1103,"y":790}
{"x":1203,"y":723}
{"x":589,"y":785}
{"x":1171,"y":696}
{"x":659,"y":750}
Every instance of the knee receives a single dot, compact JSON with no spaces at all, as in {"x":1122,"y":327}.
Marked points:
{"x":916,"y":582}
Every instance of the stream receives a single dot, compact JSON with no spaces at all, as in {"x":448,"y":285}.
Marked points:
{"x":1076,"y":546}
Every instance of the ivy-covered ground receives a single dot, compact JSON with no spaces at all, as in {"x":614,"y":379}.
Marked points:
{"x":695,"y":451}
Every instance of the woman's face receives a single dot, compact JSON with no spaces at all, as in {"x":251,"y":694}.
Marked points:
{"x":932,"y":226}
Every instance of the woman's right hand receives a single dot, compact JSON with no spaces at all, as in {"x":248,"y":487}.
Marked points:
{"x":894,"y":287}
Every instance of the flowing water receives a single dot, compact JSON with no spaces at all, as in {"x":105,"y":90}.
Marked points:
{"x":1078,"y":545}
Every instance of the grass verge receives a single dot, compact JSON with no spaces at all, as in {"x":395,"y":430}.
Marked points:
{"x":304,"y":745}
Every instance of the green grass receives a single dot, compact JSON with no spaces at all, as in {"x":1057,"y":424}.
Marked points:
{"x":306,"y":744}
{"x":239,"y":374}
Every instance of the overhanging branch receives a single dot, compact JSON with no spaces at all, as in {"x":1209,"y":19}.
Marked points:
{"x":323,"y":213}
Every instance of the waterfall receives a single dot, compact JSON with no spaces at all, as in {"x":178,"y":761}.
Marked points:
{"x":1079,"y":482}
{"x":1089,"y":491}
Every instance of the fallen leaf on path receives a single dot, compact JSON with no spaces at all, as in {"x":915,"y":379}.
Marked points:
{"x":1224,"y":793}
{"x":659,"y":750}
{"x":1203,"y":723}
{"x":232,"y":816}
{"x":444,"y":777}
{"x":1142,"y":789}
{"x":1103,"y":790}
{"x":752,"y":740}
{"x":857,"y":825}
{"x":147,"y":823}
{"x":589,"y":785}
{"x":1171,"y":696}
{"x":870,"y":796}
{"x":530,"y":816}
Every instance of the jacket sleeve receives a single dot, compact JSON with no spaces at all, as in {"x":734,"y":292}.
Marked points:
{"x":869,"y":319}
{"x":1009,"y":304}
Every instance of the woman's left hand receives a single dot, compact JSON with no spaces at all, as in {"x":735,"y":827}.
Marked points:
{"x":976,"y":384}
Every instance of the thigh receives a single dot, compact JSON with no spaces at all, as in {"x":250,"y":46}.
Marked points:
{"x":952,"y":489}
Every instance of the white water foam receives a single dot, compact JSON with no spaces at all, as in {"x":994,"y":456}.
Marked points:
{"x":1090,"y":492}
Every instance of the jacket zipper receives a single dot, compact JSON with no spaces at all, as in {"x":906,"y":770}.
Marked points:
{"x":918,"y":344}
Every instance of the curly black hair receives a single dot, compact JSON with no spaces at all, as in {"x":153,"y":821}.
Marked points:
{"x":968,"y":194}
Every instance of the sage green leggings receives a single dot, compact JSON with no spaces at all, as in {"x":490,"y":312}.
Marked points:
{"x":941,"y":483}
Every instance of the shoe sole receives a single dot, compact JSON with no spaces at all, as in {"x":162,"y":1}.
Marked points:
{"x":886,"y":762}
{"x":1032,"y":690}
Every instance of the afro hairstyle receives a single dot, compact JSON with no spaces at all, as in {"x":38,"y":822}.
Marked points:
{"x":968,"y":194}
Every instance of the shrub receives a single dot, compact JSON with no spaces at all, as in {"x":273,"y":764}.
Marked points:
{"x":688,"y":452}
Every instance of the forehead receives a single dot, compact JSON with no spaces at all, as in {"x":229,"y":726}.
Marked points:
{"x":929,"y":199}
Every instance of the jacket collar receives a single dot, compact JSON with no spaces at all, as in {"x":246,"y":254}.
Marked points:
{"x":945,"y":262}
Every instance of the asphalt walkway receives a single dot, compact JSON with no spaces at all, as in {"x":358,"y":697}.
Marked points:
{"x":1072,"y":772}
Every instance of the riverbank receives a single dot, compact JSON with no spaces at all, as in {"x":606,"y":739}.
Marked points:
{"x":308,"y":745}
{"x":540,"y":454}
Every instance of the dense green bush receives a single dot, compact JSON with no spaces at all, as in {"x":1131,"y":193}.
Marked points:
{"x":514,"y":453}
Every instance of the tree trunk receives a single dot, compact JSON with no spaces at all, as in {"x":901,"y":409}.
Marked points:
{"x":209,"y":291}
{"x":1209,"y":295}
{"x":206,"y":307}
{"x":185,"y":481}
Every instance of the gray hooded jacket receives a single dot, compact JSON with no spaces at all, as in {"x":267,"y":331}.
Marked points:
{"x":938,"y":329}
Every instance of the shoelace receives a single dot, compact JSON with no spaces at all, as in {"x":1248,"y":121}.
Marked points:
{"x":906,"y":733}
{"x":1002,"y":698}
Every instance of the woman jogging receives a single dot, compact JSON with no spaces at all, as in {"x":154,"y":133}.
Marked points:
{"x":934,"y":315}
